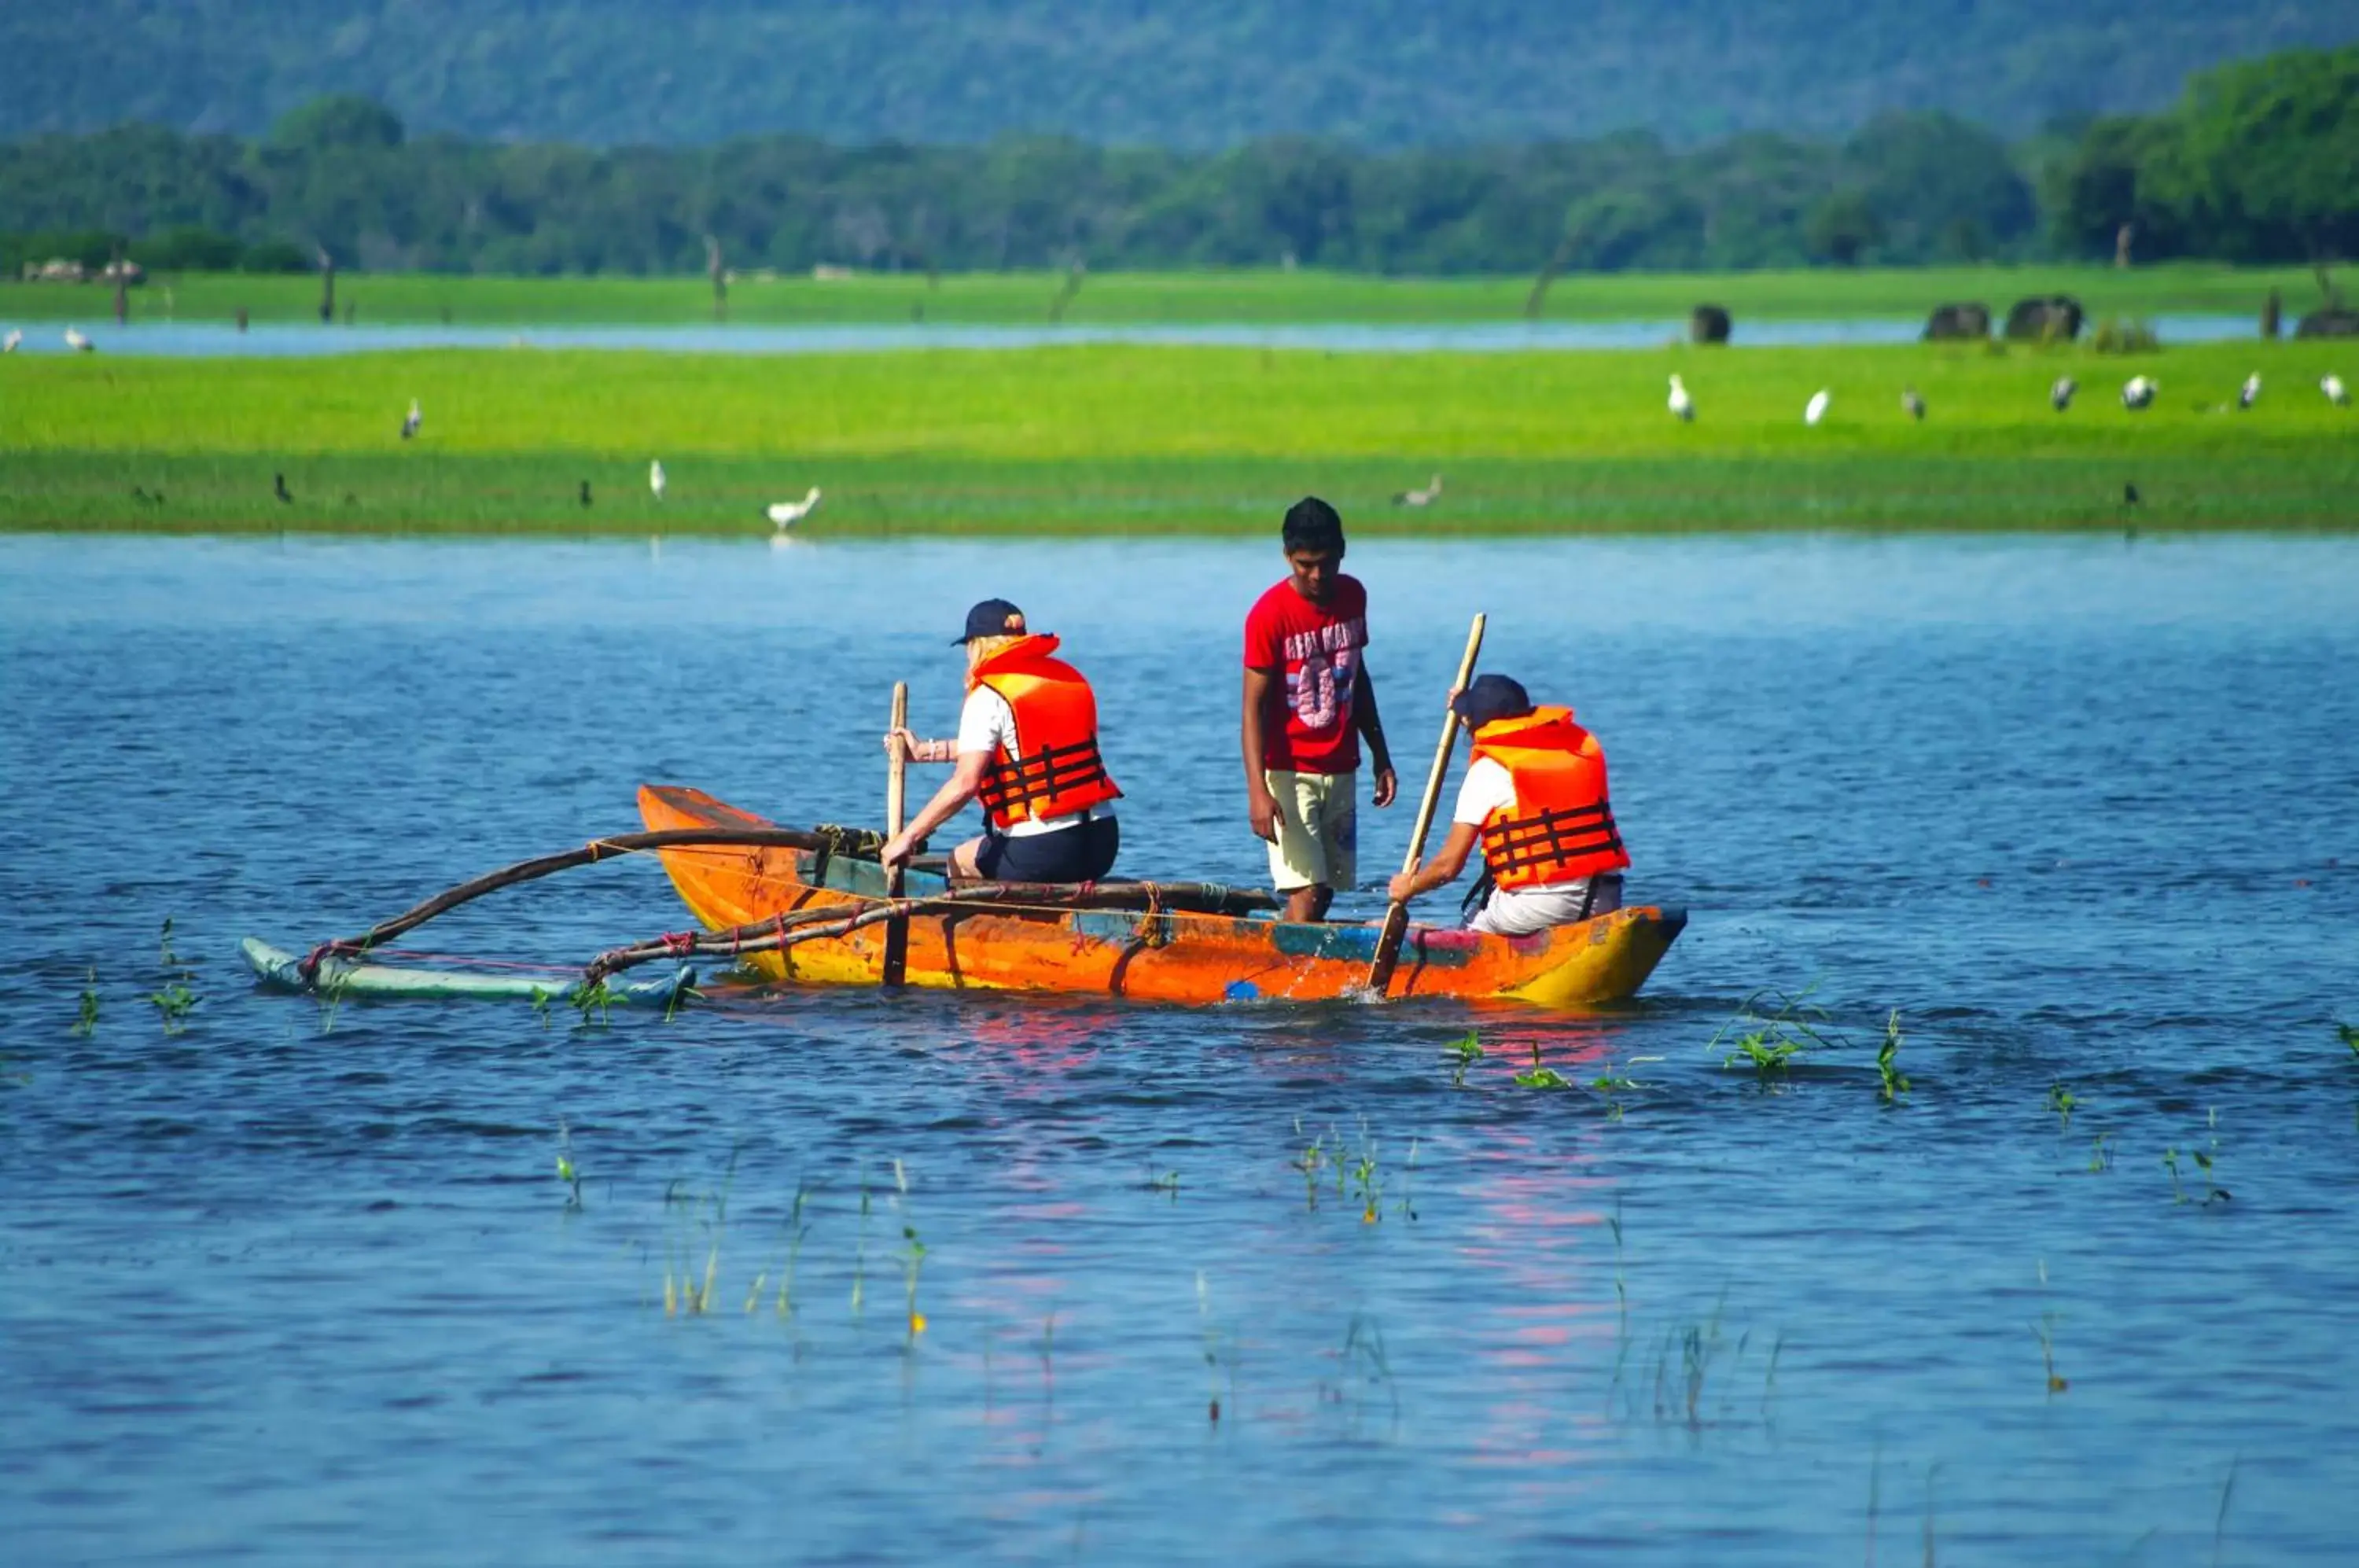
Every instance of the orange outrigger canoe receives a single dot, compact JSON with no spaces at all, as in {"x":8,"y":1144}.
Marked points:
{"x":1150,"y":954}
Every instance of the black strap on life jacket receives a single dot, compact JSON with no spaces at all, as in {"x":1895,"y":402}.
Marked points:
{"x":1051,"y":771}
{"x":1550,"y":838}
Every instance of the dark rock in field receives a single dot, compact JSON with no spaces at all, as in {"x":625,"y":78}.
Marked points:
{"x":1708,"y":324}
{"x":2333,"y":322}
{"x":2054,"y":318}
{"x":1949,"y":323}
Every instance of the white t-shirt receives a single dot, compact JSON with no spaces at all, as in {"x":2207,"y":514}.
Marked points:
{"x":1518,"y":911}
{"x":985,"y":724}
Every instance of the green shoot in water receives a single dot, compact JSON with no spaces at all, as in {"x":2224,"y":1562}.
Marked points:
{"x":1463,"y":1053}
{"x":1895,"y":1083}
{"x":1167,"y":1183}
{"x":1613,"y":1084}
{"x":1539,"y":1076}
{"x":2060,"y":1102}
{"x":1211,"y":1351}
{"x":1407,"y":1209}
{"x":2349,"y":1035}
{"x":2101,"y":1154}
{"x":2171,"y":1163}
{"x":1770,"y":1043}
{"x":88,"y":1021}
{"x":175,"y":1002}
{"x":2046,"y":1328}
{"x":2212,"y":1192}
{"x":913,"y":1258}
{"x":164,"y":957}
{"x":592,"y":998}
{"x":566,"y":1173}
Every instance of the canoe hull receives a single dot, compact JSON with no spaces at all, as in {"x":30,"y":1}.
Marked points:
{"x":1163,"y":956}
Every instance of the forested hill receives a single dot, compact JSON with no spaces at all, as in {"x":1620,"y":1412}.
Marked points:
{"x":1182,"y":73}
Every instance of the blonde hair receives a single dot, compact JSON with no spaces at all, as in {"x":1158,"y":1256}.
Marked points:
{"x":982,"y":647}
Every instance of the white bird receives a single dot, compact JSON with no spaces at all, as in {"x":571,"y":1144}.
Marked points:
{"x":2060,"y":395}
{"x":2250,"y":393}
{"x":77,"y":342}
{"x":786,"y":514}
{"x":8,"y":344}
{"x":2138,"y":392}
{"x":655,"y":480}
{"x":1912,"y":403}
{"x":410,"y":423}
{"x":1816,"y":408}
{"x":1425,"y":497}
{"x":1681,"y":405}
{"x":2336,"y":393}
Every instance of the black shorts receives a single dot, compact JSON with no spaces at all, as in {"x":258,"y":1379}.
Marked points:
{"x":1082,"y":853}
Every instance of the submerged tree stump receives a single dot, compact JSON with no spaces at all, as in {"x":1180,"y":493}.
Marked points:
{"x":2332,"y":321}
{"x":1966,"y":320}
{"x":2050,"y":318}
{"x":2272,"y":316}
{"x":1708,"y":324}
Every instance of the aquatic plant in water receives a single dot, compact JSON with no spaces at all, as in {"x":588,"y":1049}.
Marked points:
{"x":1540,"y":1076}
{"x":1894,"y":1082}
{"x":565,"y":1167}
{"x":88,"y":1020}
{"x":2346,"y":1032}
{"x":174,"y":1001}
{"x":1772,"y":1043}
{"x":2045,"y":1326}
{"x":2060,"y":1102}
{"x":1463,"y":1053}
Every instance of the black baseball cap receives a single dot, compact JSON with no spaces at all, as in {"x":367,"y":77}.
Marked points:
{"x":1490,"y":699}
{"x":992,"y":618}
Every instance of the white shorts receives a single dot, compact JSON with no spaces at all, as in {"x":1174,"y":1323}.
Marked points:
{"x":1529,"y":910}
{"x":1318,"y":830}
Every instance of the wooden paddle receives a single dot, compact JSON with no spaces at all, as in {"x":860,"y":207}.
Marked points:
{"x":1396,"y":927}
{"x":896,"y":777}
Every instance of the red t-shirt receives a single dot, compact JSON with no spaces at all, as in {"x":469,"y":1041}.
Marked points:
{"x":1308,"y":726}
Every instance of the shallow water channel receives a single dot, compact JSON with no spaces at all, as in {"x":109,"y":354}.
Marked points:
{"x":291,"y":1285}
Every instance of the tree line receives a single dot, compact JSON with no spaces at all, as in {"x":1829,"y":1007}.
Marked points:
{"x":2252,"y":164}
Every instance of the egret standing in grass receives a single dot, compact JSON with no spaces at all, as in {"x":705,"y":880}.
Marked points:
{"x":77,"y":342}
{"x":16,"y":336}
{"x":2137,"y":392}
{"x":2060,"y":395}
{"x":2250,"y":393}
{"x":1816,"y":408}
{"x":1682,"y":407}
{"x":1912,"y":403}
{"x":412,"y":421}
{"x":1425,"y":497}
{"x":786,"y":514}
{"x":2336,"y":393}
{"x":655,"y":480}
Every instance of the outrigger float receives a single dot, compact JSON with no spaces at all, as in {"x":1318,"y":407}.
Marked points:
{"x":811,"y":909}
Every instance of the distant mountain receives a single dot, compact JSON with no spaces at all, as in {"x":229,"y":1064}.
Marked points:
{"x":1186,"y":73}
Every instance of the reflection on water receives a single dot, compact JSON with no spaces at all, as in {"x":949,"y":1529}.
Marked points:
{"x":292,"y":1280}
{"x":208,"y":339}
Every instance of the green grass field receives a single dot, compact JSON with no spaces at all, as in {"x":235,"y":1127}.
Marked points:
{"x":1267,"y":297}
{"x":1111,"y":439}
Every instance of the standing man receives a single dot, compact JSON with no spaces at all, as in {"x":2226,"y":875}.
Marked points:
{"x":1307,"y":701}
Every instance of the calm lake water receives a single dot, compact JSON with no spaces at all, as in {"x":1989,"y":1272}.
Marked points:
{"x":291,"y":1287}
{"x":220,"y":340}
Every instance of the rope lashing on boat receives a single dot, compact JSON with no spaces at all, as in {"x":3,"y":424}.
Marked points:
{"x":597,"y":849}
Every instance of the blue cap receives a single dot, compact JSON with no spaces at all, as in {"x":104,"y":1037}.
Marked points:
{"x":992,"y":618}
{"x":1490,"y":699}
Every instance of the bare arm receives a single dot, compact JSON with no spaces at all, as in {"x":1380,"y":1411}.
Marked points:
{"x":1372,"y":730}
{"x":949,"y":801}
{"x":1442,"y":868}
{"x":1261,"y":807}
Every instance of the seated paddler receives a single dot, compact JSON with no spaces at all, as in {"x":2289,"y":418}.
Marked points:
{"x":1535,"y":799}
{"x":1027,"y":748}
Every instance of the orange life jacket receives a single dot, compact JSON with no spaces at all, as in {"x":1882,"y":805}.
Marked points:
{"x":1056,"y":770}
{"x":1560,"y":828}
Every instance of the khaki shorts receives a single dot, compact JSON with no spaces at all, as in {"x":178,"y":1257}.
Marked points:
{"x":1318,"y":830}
